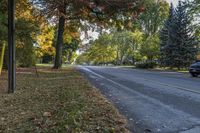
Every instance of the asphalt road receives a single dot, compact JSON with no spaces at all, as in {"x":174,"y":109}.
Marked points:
{"x":152,"y":101}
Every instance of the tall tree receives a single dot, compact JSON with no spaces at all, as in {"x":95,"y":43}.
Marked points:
{"x":180,"y":48}
{"x":185,"y":40}
{"x":151,"y":20}
{"x":123,"y":42}
{"x":101,"y":51}
{"x":92,"y":11}
{"x":194,"y":10}
{"x":26,"y":29}
{"x":166,"y":37}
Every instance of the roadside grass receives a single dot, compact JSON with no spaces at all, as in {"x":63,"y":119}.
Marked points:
{"x":51,"y":65}
{"x":57,"y":102}
{"x":44,"y":65}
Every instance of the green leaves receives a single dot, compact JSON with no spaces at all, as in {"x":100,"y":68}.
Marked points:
{"x":101,"y":51}
{"x":151,"y":20}
{"x":26,"y":30}
{"x":150,"y":48}
{"x":3,"y":25}
{"x":115,"y":47}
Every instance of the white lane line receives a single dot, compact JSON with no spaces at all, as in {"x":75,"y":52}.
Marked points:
{"x":100,"y":76}
{"x":160,"y":83}
{"x":152,"y":100}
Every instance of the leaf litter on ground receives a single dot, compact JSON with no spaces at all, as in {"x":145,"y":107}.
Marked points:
{"x":58,"y":101}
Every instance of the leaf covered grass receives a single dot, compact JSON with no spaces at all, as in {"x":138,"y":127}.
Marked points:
{"x":57,"y":102}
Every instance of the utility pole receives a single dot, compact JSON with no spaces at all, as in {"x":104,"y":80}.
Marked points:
{"x":11,"y":47}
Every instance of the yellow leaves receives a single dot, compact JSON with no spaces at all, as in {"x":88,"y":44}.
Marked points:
{"x":26,"y":15}
{"x":24,"y":10}
{"x":45,"y":40}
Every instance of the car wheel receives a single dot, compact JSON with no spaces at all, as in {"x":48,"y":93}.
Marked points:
{"x":194,"y":75}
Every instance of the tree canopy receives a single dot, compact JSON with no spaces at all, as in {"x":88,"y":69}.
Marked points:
{"x":100,"y":12}
{"x":130,"y":31}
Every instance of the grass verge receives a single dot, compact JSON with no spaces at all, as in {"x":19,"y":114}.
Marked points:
{"x":57,"y":102}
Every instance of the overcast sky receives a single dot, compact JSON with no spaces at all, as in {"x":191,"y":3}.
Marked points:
{"x":175,"y":2}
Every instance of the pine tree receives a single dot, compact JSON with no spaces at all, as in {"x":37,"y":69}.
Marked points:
{"x":183,"y":37}
{"x":166,"y":46}
{"x":178,"y":43}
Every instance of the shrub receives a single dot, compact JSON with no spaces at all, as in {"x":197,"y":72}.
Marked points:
{"x":146,"y":65}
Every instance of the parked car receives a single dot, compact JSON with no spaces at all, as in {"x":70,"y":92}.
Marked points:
{"x":195,"y":69}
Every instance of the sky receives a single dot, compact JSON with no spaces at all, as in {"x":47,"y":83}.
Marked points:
{"x":175,"y":2}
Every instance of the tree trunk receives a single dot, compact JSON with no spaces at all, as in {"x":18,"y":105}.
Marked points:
{"x":59,"y":43}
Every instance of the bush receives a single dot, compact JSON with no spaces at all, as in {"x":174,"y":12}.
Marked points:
{"x":25,"y":57}
{"x":146,"y":65}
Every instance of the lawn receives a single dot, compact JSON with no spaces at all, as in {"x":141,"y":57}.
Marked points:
{"x":56,"y":102}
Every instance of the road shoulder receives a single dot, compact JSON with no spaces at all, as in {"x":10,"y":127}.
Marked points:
{"x":57,"y":101}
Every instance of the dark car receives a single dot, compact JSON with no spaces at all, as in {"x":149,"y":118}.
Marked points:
{"x":195,"y":69}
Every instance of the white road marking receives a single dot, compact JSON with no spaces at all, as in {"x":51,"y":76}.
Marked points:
{"x":160,"y":83}
{"x":189,"y":117}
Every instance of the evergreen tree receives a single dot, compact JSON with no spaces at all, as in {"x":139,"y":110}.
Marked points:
{"x":178,"y":43}
{"x":166,"y":47}
{"x":184,"y":38}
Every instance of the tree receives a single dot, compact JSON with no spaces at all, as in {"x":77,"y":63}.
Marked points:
{"x":26,"y":30}
{"x":45,"y":43}
{"x":150,"y":48}
{"x":134,"y":53}
{"x":180,"y":48}
{"x":69,"y":50}
{"x":116,"y":47}
{"x":194,"y":10}
{"x":151,"y":20}
{"x":3,"y":21}
{"x":101,"y":50}
{"x":166,"y":38}
{"x":185,"y":38}
{"x":3,"y":31}
{"x":194,"y":7}
{"x":26,"y":36}
{"x":93,"y":11}
{"x":123,"y":42}
{"x":71,"y":42}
